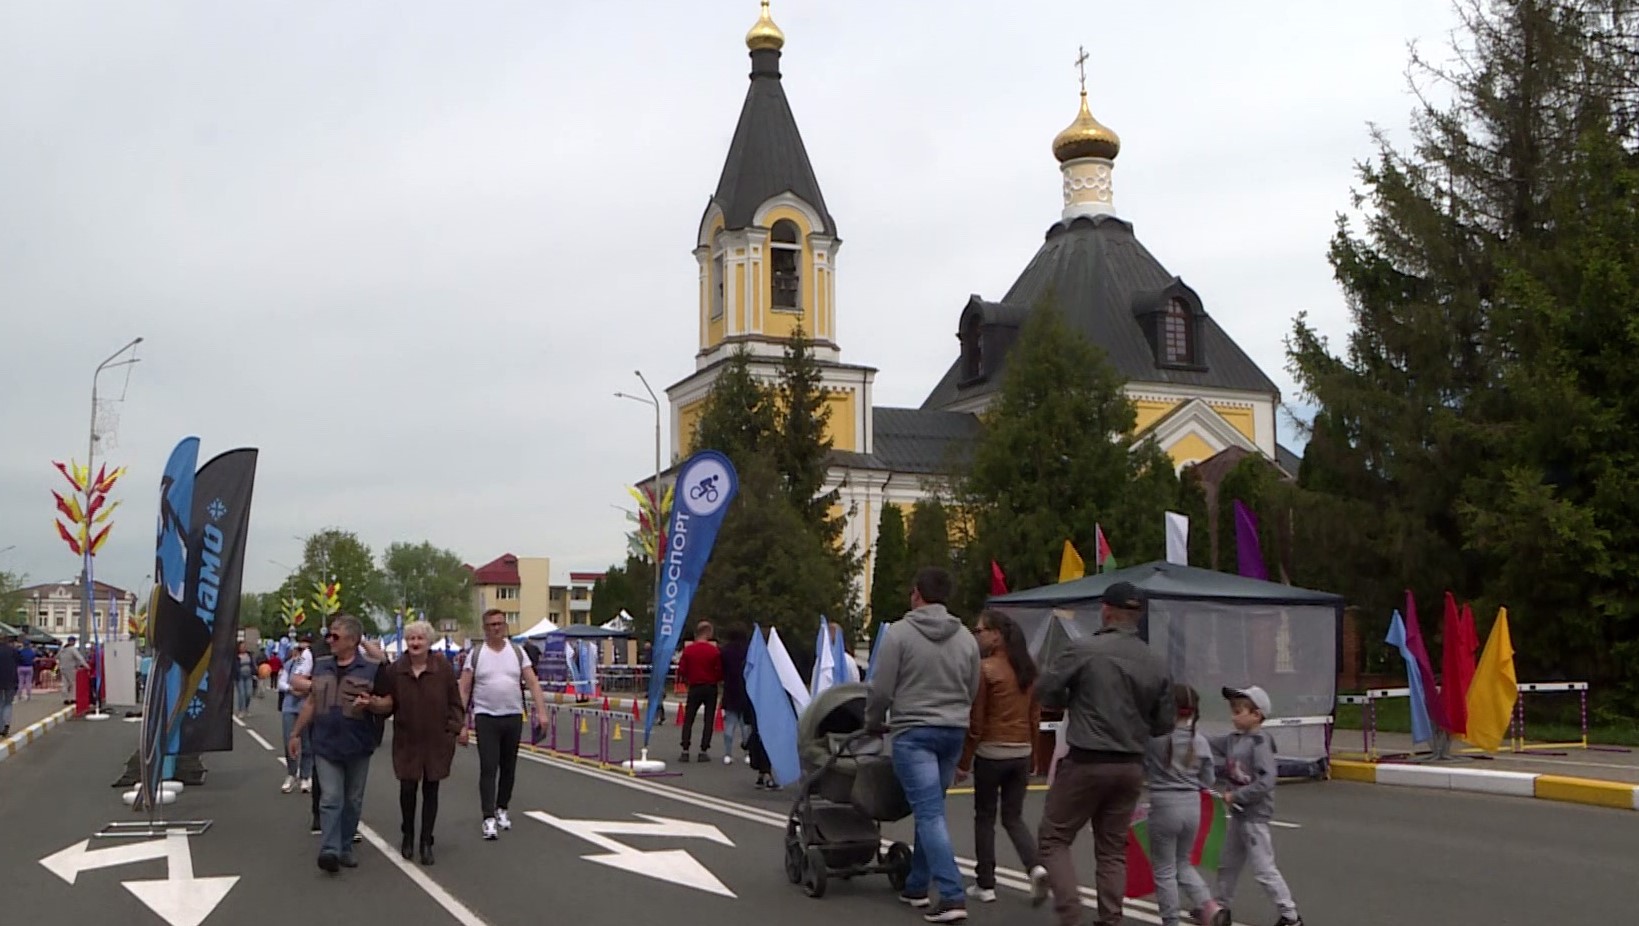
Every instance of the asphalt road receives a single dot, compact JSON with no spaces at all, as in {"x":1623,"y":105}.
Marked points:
{"x":1354,"y":854}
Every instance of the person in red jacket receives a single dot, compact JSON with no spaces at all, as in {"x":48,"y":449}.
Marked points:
{"x":701,"y":669}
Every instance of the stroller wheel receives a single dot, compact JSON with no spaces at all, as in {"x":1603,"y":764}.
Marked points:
{"x":813,"y":872}
{"x":898,"y":861}
{"x":793,"y":859}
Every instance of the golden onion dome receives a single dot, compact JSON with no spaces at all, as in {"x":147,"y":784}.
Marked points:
{"x":765,"y":36}
{"x":1086,"y":138}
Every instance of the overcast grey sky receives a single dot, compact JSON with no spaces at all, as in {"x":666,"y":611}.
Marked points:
{"x":410,"y":249}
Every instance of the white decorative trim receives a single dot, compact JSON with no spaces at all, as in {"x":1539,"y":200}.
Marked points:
{"x":1088,"y":188}
{"x":1197,"y":417}
{"x":815,"y":224}
{"x":714,"y":212}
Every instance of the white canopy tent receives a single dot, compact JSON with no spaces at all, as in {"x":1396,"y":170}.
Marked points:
{"x":541,"y":629}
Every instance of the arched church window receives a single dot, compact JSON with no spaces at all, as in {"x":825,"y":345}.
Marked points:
{"x":972,"y":349}
{"x":785,"y":250}
{"x":716,"y":284}
{"x":1176,"y":342}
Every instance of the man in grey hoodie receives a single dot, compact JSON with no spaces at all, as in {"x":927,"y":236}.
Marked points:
{"x":925,"y":678}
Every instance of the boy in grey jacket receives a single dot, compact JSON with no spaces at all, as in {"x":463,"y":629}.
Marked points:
{"x":925,"y":677}
{"x":1248,"y":757}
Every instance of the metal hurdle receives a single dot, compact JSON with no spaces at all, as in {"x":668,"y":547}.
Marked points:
{"x":593,"y":735}
{"x":1517,"y":740}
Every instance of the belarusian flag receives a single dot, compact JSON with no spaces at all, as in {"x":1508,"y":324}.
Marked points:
{"x":1102,"y":558}
{"x":1209,"y":841}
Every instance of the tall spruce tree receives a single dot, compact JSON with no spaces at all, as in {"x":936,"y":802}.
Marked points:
{"x":1054,"y":458}
{"x":1482,"y":412}
{"x":740,"y":417}
{"x":927,"y":540}
{"x":891,"y":569}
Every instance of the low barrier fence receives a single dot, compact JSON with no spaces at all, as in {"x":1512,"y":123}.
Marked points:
{"x":1518,"y":740}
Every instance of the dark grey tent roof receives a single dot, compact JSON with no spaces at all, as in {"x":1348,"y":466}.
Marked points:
{"x":1171,"y":581}
{"x":584,"y":631}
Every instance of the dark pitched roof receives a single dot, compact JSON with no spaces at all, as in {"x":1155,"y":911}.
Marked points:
{"x":1288,"y":459}
{"x":1173,"y":581}
{"x":914,"y":440}
{"x":767,"y":156}
{"x":1102,"y":280}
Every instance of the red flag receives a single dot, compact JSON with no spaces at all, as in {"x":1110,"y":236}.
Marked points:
{"x":77,"y":484}
{"x":68,"y":538}
{"x":1425,"y":667}
{"x":70,"y":512}
{"x":998,"y":582}
{"x":1101,"y":555}
{"x":1453,"y":687}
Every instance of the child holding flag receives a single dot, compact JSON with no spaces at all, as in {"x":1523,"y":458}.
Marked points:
{"x":1178,"y":767}
{"x":1249,"y":767}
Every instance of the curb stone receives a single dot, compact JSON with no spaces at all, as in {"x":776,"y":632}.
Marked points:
{"x":1589,"y":791}
{"x":15,"y":743}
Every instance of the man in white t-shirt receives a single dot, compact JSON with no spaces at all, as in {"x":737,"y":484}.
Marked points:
{"x":492,"y":687}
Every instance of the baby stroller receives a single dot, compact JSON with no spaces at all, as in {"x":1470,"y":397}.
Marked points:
{"x":848,"y":788}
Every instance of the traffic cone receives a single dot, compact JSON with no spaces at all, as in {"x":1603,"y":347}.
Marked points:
{"x":606,"y":704}
{"x":616,"y":737}
{"x":583,"y":728}
{"x":680,"y":715}
{"x":717,"y":725}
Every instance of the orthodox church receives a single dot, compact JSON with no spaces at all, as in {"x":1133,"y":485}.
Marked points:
{"x":767,"y":249}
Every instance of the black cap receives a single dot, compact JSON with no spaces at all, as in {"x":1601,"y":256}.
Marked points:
{"x":1124,"y":595}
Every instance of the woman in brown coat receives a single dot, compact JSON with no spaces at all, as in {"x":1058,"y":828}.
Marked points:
{"x":427,"y":717}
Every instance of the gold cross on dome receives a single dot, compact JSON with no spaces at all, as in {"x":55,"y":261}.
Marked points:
{"x":1081,"y":66}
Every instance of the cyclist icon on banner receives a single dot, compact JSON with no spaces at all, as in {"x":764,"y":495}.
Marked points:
{"x":706,"y":483}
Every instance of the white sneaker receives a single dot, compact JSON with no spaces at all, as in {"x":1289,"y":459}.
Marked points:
{"x":1038,"y":886}
{"x":728,"y":760}
{"x":489,"y":828}
{"x":501,"y":819}
{"x":289,"y":785}
{"x":981,"y":894}
{"x":307,"y":786}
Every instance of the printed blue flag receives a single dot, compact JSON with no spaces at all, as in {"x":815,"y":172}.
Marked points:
{"x":881,"y":631}
{"x":839,"y":656}
{"x":1422,"y":729}
{"x":776,"y":719}
{"x":705,"y":485}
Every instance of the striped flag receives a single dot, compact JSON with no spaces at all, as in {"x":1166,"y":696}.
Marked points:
{"x":1209,"y":843}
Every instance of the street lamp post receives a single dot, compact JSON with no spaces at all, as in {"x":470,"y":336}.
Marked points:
{"x":87,"y":597}
{"x":654,"y":401}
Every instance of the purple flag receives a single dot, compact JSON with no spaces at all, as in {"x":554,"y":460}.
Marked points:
{"x":1247,"y":548}
{"x":1425,"y":668}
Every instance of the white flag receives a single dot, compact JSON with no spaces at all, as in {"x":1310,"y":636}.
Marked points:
{"x":1178,"y":538}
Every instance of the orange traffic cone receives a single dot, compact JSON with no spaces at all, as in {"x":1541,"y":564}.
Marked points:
{"x":680,"y":715}
{"x":718,"y":723}
{"x":606,"y":703}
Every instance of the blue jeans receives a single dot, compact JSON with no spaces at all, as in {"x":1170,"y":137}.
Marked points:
{"x":924,"y":759}
{"x":304,"y":767}
{"x":7,"y":695}
{"x":242,"y":689}
{"x":341,"y":803}
{"x":734,"y":728}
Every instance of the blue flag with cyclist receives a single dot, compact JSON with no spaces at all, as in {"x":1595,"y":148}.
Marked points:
{"x":705,"y":485}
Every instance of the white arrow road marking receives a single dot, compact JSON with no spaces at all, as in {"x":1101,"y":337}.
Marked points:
{"x":68,"y":863}
{"x":674,"y":865}
{"x":181,"y":899}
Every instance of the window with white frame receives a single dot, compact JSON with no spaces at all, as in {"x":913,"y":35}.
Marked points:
{"x":785,"y":252}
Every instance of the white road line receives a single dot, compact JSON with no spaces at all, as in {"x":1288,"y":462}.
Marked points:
{"x":240,"y":722}
{"x":258,"y":738}
{"x":1286,"y":826}
{"x":1141,"y":910}
{"x":455,"y":908}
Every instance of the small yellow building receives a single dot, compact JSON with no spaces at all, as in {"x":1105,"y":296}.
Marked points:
{"x":767,"y":250}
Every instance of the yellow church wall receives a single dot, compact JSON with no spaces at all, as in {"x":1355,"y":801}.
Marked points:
{"x":841,"y":426}
{"x":688,"y":418}
{"x":1190,"y":449}
{"x":715,"y":328}
{"x":1149,"y":411}
{"x":1240,"y":419}
{"x":784,"y":324}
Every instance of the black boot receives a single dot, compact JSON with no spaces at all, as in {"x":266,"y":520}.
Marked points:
{"x":426,"y":850}
{"x":407,"y":847}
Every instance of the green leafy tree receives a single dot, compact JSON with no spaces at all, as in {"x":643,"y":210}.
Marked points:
{"x":628,"y":587}
{"x":1252,"y":482}
{"x":891,"y":569}
{"x":338,"y":555}
{"x":740,"y":416}
{"x":13,"y":607}
{"x":260,"y":610}
{"x":1053,"y":460}
{"x":427,"y":579}
{"x":1192,"y":503}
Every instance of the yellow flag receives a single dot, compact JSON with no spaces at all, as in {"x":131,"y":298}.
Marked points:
{"x":1492,"y":694}
{"x":1070,"y":565}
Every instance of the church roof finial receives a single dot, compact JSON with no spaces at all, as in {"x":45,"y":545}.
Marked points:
{"x":1086,"y":137}
{"x":765,"y":36}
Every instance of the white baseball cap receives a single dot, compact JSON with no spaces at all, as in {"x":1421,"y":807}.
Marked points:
{"x":1258,"y":697}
